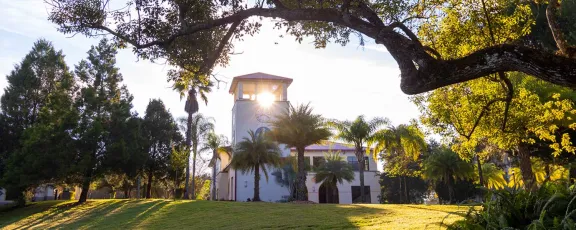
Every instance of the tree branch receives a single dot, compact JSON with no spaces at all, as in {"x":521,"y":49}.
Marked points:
{"x":209,"y":64}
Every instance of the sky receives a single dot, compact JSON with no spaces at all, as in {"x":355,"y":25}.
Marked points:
{"x":339,"y":82}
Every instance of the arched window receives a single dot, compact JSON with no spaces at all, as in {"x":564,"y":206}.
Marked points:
{"x":262,"y":130}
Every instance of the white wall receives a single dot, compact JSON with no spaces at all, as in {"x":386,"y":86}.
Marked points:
{"x":2,"y":194}
{"x":371,"y":179}
{"x":245,"y":112}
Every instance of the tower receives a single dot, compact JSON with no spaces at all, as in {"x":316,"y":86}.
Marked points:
{"x":258,"y":98}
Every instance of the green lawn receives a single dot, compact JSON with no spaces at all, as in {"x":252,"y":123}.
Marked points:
{"x":168,"y":214}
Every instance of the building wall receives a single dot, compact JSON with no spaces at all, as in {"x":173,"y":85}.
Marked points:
{"x":244,"y":119}
{"x":371,"y":179}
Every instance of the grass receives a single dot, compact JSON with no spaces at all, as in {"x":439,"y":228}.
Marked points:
{"x":168,"y":214}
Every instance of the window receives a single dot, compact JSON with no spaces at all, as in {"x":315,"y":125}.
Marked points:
{"x":353,"y":161}
{"x":317,"y":161}
{"x":356,"y":194}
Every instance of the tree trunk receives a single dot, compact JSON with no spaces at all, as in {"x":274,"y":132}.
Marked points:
{"x":193,"y":184}
{"x":335,"y":196}
{"x":301,"y":191}
{"x":85,"y":186}
{"x":126,"y":194}
{"x":186,"y":187}
{"x":526,"y":167}
{"x":450,"y":190}
{"x":149,"y":185}
{"x":188,"y":147}
{"x":400,"y":189}
{"x":480,"y":174}
{"x":256,"y":183}
{"x":360,"y":158}
{"x":213,"y":195}
{"x":406,"y":191}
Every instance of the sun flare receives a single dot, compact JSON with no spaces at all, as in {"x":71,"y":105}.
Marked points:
{"x":266,"y":99}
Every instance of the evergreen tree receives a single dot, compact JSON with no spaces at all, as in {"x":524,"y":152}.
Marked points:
{"x":37,"y":119}
{"x":160,"y":132}
{"x":105,"y":107}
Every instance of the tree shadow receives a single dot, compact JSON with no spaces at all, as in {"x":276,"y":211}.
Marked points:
{"x":461,"y":213}
{"x":15,"y":214}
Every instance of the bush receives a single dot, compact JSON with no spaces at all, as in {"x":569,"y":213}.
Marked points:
{"x":553,"y":206}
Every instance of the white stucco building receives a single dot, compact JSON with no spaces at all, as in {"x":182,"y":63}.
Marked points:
{"x":258,"y":98}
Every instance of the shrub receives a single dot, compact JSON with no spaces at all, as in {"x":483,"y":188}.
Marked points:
{"x":553,"y":206}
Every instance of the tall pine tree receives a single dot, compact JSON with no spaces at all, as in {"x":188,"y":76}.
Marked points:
{"x":161,"y":133}
{"x":104,"y":108}
{"x":37,"y":118}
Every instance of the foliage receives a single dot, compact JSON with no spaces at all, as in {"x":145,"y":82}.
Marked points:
{"x":253,"y":153}
{"x":285,"y":176}
{"x":400,"y":147}
{"x":445,"y":167}
{"x":217,"y":144}
{"x":161,"y":133}
{"x":334,"y":170}
{"x":197,"y":128}
{"x":299,"y":127}
{"x":551,"y":207}
{"x":493,"y":176}
{"x":104,"y":107}
{"x":204,"y":192}
{"x":392,"y":191}
{"x":37,"y":116}
{"x":359,"y":132}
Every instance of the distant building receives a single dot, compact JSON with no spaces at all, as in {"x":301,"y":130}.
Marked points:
{"x":258,"y":98}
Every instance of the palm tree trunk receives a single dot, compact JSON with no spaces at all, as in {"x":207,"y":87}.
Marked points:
{"x":526,"y":167}
{"x":213,"y":195}
{"x":360,"y":158}
{"x":301,"y":191}
{"x":256,"y":183}
{"x":193,"y":185}
{"x":450,"y":189}
{"x":400,"y":189}
{"x":188,"y":147}
{"x":406,"y":191}
{"x":480,"y":175}
{"x":335,"y":196}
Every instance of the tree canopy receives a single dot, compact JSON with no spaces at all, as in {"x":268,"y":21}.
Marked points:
{"x":195,"y":35}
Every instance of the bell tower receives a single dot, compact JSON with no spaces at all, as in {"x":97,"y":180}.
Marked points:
{"x":258,"y":98}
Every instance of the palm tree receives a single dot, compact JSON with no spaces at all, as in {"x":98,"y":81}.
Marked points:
{"x":332,"y":172}
{"x":191,"y":85}
{"x":197,"y":128}
{"x":444,"y":165}
{"x":217,"y":144}
{"x":285,"y":175}
{"x":358,"y":133}
{"x":401,"y":145}
{"x":254,"y":153}
{"x":492,"y":175}
{"x":298,"y":127}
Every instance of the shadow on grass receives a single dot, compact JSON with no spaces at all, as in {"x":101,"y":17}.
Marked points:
{"x":461,"y":213}
{"x":260,"y":215}
{"x":13,"y":214}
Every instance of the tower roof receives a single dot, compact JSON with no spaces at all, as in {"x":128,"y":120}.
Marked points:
{"x":258,"y":76}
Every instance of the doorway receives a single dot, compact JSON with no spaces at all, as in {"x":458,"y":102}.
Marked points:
{"x":328,"y":194}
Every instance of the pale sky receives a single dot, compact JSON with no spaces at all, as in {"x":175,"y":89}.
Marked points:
{"x":339,"y":82}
